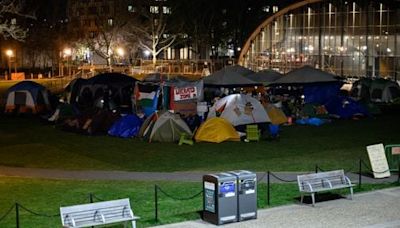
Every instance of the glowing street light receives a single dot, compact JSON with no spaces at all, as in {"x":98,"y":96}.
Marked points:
{"x":120,"y":52}
{"x":146,"y":53}
{"x":67,"y":54}
{"x":10,"y":54}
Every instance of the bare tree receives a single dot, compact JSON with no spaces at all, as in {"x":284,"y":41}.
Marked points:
{"x":8,"y":26}
{"x":109,"y":35}
{"x":150,"y":31}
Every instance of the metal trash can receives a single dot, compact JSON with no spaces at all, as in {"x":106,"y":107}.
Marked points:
{"x":220,"y":198}
{"x":247,"y":194}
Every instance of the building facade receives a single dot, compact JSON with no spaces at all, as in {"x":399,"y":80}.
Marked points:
{"x":347,"y":38}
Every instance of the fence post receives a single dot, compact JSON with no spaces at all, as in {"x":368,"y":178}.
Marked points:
{"x":17,"y":214}
{"x":398,"y":173}
{"x":359,"y":173}
{"x":90,"y":197}
{"x":268,"y":189}
{"x":155,"y":203}
{"x":316,"y":168}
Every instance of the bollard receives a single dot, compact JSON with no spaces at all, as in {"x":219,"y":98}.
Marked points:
{"x":90,"y":197}
{"x":17,"y":214}
{"x":155,"y":203}
{"x":268,"y":189}
{"x":359,"y":173}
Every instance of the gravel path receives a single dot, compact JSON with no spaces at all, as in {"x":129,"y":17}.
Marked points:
{"x":375,"y":209}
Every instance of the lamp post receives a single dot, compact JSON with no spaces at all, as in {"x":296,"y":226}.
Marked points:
{"x":67,"y":54}
{"x":10,"y":54}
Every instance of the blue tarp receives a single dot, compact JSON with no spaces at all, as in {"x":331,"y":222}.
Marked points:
{"x":345,"y":107}
{"x":320,"y":93}
{"x":126,"y":127}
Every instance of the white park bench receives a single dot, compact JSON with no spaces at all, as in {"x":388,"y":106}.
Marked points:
{"x":96,"y":214}
{"x":323,"y":181}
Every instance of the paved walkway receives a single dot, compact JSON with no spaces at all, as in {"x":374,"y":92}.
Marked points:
{"x":151,"y":176}
{"x":376,"y":209}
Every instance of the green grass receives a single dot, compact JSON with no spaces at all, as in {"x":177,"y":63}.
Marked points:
{"x":26,"y":142}
{"x":46,"y":196}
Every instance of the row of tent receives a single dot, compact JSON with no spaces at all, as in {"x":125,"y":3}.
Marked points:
{"x":226,"y":116}
{"x":30,"y":96}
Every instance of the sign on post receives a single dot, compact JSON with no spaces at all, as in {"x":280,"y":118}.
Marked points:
{"x":379,"y":164}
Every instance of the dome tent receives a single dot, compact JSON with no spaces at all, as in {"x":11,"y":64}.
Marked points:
{"x":164,"y":127}
{"x":27,"y":96}
{"x":239,"y":109}
{"x":216,"y":130}
{"x":377,"y":90}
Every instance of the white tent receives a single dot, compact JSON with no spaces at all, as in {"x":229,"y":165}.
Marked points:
{"x":239,"y":109}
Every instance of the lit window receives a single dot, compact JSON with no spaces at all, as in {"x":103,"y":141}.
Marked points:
{"x":14,"y":21}
{"x":266,"y":9}
{"x":275,"y":9}
{"x":166,"y":10}
{"x":154,"y":9}
{"x":110,"y":21}
{"x":131,"y":9}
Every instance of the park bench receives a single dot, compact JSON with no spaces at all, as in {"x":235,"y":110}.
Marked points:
{"x":96,"y":214}
{"x":323,"y":181}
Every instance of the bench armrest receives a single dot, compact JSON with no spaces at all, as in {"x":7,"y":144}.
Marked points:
{"x":347,"y":180}
{"x":309,"y":185}
{"x":101,"y":216}
{"x":329,"y":182}
{"x":72,"y":220}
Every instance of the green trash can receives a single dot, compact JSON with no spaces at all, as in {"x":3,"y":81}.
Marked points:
{"x":393,"y":156}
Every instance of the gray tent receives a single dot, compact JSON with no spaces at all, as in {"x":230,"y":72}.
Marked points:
{"x":265,"y":77}
{"x":230,"y":77}
{"x":306,"y":74}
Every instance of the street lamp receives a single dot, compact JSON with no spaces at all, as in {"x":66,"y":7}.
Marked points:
{"x":67,"y":54}
{"x":10,"y":54}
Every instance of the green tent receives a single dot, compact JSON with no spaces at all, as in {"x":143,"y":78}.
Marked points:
{"x":164,"y":127}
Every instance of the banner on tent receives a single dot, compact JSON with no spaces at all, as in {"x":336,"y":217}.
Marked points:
{"x":185,"y":93}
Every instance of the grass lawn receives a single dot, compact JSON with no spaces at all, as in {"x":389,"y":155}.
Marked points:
{"x":26,"y":142}
{"x":46,"y":196}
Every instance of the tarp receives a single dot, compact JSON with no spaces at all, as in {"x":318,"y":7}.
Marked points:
{"x":265,"y":77}
{"x":216,"y":130}
{"x":306,"y":74}
{"x":231,"y":76}
{"x":126,"y":127}
{"x":239,"y":109}
{"x":320,"y":93}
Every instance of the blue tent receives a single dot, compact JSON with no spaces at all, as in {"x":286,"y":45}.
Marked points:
{"x":345,"y":107}
{"x":31,"y":86}
{"x":126,"y":127}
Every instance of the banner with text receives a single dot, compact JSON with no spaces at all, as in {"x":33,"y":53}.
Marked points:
{"x":185,"y":93}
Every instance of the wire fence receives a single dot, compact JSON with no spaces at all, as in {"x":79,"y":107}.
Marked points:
{"x":362,"y":167}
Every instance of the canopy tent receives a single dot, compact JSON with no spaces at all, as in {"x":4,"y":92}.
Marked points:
{"x":304,"y":75}
{"x":126,"y":127}
{"x":265,"y":77}
{"x":239,"y":109}
{"x":232,"y":76}
{"x":27,"y":96}
{"x":216,"y":130}
{"x":164,"y":127}
{"x":73,"y":88}
{"x":115,"y":86}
